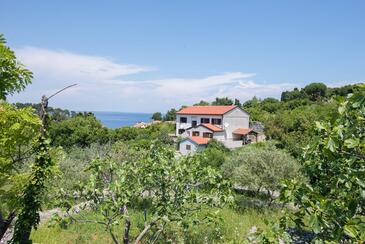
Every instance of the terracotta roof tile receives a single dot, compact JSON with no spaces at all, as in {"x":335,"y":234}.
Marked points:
{"x":212,"y":127}
{"x":200,"y":140}
{"x":207,"y":110}
{"x":242,"y":131}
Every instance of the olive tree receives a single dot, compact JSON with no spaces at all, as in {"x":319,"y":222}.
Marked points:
{"x":260,"y":168}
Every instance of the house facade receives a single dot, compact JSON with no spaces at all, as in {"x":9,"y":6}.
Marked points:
{"x":227,"y":124}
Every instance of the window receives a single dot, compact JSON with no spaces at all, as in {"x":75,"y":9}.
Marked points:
{"x":188,"y":147}
{"x":181,"y":131}
{"x":195,"y":133}
{"x":194,"y":123}
{"x":183,"y":120}
{"x":204,"y":120}
{"x":207,"y":135}
{"x":216,"y":121}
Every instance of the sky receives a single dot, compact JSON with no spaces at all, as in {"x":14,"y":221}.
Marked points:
{"x":152,"y":55}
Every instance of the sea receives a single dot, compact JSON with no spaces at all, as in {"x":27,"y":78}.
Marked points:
{"x":120,"y":119}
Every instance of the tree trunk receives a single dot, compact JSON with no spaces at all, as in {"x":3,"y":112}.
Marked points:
{"x":271,"y":197}
{"x":5,"y":223}
{"x":126,"y":231}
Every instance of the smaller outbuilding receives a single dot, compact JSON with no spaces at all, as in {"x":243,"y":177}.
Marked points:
{"x":192,"y":144}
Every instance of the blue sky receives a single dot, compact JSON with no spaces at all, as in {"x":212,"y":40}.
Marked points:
{"x":146,"y":56}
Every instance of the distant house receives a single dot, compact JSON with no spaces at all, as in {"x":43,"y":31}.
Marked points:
{"x":228,"y":124}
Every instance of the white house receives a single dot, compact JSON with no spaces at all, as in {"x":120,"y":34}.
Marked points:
{"x":198,"y":124}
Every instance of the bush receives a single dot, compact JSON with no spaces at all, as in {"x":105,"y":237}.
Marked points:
{"x":81,"y":130}
{"x":260,"y":167}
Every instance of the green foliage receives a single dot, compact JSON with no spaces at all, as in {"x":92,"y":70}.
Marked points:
{"x":18,"y":130}
{"x":260,"y":167}
{"x":202,"y":103}
{"x":331,"y":204}
{"x":214,"y":154}
{"x":237,"y":102}
{"x":342,"y":91}
{"x":170,"y":115}
{"x":233,"y":227}
{"x":13,"y":76}
{"x":315,"y":91}
{"x":54,"y":114}
{"x":72,"y":165}
{"x":296,"y":94}
{"x":157,"y":116}
{"x":30,"y":200}
{"x":81,"y":130}
{"x":126,"y":133}
{"x":169,"y":189}
{"x":144,"y":137}
{"x":222,"y":101}
{"x":291,"y":123}
{"x":251,"y":103}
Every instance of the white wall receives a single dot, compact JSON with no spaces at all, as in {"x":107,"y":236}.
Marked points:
{"x":235,"y":119}
{"x":190,"y":118}
{"x":220,"y":136}
{"x":194,"y":147}
{"x":201,"y":130}
{"x":232,"y":144}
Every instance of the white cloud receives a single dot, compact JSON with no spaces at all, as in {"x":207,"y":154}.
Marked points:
{"x":61,"y":64}
{"x":102,"y":84}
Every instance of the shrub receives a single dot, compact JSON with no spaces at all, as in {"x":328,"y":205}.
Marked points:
{"x":81,"y":130}
{"x":260,"y":167}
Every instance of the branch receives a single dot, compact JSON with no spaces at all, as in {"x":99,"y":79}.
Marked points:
{"x":109,"y":226}
{"x":126,"y":231}
{"x":144,"y":232}
{"x":85,"y":220}
{"x":61,"y":91}
{"x":158,"y":233}
{"x":355,"y":155}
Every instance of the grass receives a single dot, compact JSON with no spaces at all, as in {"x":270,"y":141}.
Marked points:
{"x":231,"y":226}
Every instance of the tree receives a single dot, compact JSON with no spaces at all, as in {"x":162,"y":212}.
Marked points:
{"x":332,"y":203}
{"x":19,"y":129}
{"x":157,"y":116}
{"x":315,"y":91}
{"x":202,"y":103}
{"x":81,"y":130}
{"x":292,"y":95}
{"x":270,"y":104}
{"x":237,"y":102}
{"x":214,"y":154}
{"x":55,"y":114}
{"x":260,"y":167}
{"x":169,"y":189}
{"x":222,"y":101}
{"x":170,"y":115}
{"x":251,"y":103}
{"x":13,"y":76}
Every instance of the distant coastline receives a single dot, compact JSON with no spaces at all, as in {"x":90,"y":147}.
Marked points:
{"x":121,"y":119}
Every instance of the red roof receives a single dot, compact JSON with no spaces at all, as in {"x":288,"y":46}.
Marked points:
{"x":212,"y":127}
{"x":242,"y":131}
{"x":207,"y":110}
{"x":199,"y":140}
